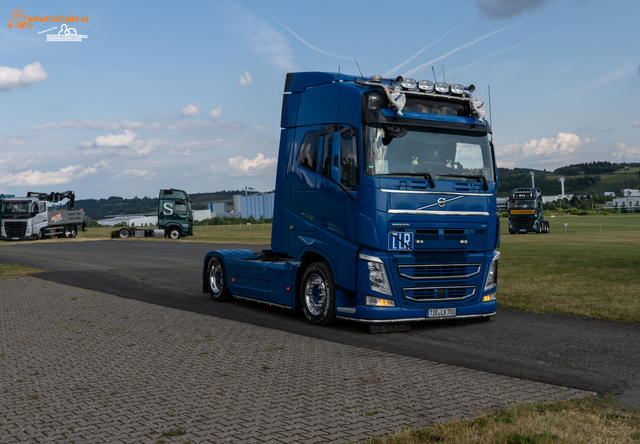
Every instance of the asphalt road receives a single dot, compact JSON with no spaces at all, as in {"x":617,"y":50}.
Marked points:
{"x":593,"y":355}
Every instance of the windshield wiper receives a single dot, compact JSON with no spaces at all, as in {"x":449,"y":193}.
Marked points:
{"x":480,"y":178}
{"x":426,"y":175}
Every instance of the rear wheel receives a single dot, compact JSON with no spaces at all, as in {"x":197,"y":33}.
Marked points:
{"x":67,"y":231}
{"x":74,"y":232}
{"x":318,"y":294}
{"x":216,"y":281}
{"x":123,"y":234}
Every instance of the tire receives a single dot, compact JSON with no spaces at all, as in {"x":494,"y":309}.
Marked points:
{"x":174,"y":233}
{"x":123,"y":234}
{"x":318,"y":294}
{"x":216,"y":280}
{"x":39,"y":235}
{"x":74,"y":232}
{"x":67,"y":231}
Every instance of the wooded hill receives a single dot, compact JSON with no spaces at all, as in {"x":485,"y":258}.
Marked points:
{"x":582,"y":178}
{"x":100,"y":208}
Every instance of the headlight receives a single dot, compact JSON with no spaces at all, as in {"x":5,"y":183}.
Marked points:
{"x":378,"y":278}
{"x":457,"y":89}
{"x":492,"y":276}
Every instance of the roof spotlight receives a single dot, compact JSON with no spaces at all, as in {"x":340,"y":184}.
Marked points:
{"x":376,"y":78}
{"x":442,"y":87}
{"x":425,"y":85}
{"x":408,"y":84}
{"x":457,"y":89}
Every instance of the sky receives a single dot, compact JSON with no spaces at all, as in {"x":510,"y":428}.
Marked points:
{"x":188,"y":95}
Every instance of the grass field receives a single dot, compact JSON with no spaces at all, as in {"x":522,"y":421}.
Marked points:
{"x":587,"y":421}
{"x":587,"y":268}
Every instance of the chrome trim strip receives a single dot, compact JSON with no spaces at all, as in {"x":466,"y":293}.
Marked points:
{"x":428,"y":301}
{"x":392,"y":321}
{"x":441,"y":213}
{"x":457,"y":276}
{"x":448,"y":193}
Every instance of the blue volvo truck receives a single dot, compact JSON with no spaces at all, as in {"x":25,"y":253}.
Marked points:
{"x":385,"y":206}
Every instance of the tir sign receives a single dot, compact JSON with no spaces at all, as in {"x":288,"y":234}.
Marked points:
{"x":401,"y":241}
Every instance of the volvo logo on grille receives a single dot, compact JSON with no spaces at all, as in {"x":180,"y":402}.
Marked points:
{"x":442,"y":202}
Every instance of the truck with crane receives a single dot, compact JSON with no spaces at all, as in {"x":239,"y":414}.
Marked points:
{"x":385,"y":206}
{"x":175,"y":218}
{"x":526,"y":214}
{"x":30,"y":217}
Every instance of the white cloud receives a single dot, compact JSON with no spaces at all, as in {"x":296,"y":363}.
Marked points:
{"x":191,"y":110}
{"x":239,"y":166}
{"x":21,"y":78}
{"x":215,"y":113}
{"x":245,"y":80}
{"x":636,"y":125}
{"x":38,"y":178}
{"x":262,"y":128}
{"x":130,"y":173}
{"x":559,"y":150}
{"x":126,"y":139}
{"x":186,"y":149}
{"x":623,"y":152}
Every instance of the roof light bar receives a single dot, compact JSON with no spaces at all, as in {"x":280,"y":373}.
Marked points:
{"x":408,"y":84}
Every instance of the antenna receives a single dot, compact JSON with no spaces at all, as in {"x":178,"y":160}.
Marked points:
{"x":339,"y":77}
{"x":490,"y":115}
{"x":444,"y":79}
{"x":359,"y":68}
{"x":434,"y":74}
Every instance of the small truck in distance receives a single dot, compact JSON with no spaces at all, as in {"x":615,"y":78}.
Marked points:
{"x":525,"y":211}
{"x":175,"y":218}
{"x":29,"y":217}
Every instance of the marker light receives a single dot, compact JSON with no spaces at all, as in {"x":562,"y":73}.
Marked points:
{"x":378,"y":302}
{"x":489,"y":297}
{"x":425,"y":85}
{"x":457,"y":89}
{"x":442,"y":87}
{"x":408,"y":84}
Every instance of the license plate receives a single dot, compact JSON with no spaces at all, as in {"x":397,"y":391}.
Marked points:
{"x":441,"y":312}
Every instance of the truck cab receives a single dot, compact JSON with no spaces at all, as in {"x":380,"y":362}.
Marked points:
{"x":174,"y":213}
{"x":526,"y":214}
{"x":385,"y":206}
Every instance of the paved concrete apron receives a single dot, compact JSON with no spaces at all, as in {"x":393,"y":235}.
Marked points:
{"x":80,"y":366}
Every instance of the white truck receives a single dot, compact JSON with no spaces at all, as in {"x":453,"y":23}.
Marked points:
{"x":29,"y":218}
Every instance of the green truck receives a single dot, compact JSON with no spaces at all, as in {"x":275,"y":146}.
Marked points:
{"x":525,"y":211}
{"x":175,"y":218}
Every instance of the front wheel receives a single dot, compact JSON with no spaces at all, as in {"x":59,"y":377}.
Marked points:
{"x":174,"y":233}
{"x":123,"y":234}
{"x":216,"y":281}
{"x":318,"y":294}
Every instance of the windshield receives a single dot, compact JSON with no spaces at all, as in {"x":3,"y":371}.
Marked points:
{"x":523,"y":205}
{"x":16,"y":207}
{"x":395,"y":150}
